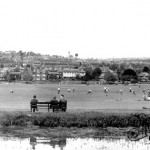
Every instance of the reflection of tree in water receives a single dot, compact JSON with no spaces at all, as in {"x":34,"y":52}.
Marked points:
{"x":61,"y":142}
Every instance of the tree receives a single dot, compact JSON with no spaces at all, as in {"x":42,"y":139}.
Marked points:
{"x":129,"y":75}
{"x":27,"y":75}
{"x":129,"y":72}
{"x":88,"y":74}
{"x":96,"y":73}
{"x":110,"y":77}
{"x":16,"y":69}
{"x":146,"y":69}
{"x":7,"y":76}
{"x":114,"y":66}
{"x":21,"y":54}
{"x":1,"y":65}
{"x":122,"y":66}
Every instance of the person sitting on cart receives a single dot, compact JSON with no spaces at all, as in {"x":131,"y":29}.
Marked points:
{"x":33,"y":103}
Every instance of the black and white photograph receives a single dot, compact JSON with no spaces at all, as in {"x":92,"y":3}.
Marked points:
{"x":74,"y":74}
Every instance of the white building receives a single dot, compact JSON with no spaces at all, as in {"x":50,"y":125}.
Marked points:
{"x":72,"y":73}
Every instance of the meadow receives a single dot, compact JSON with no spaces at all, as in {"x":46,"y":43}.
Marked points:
{"x":77,"y":100}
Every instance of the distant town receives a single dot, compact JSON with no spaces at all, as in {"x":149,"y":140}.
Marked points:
{"x":30,"y":66}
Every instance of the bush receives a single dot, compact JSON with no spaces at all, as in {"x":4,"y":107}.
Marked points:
{"x":86,"y":119}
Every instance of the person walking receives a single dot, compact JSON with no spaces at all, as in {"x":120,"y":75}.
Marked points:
{"x":68,"y":90}
{"x":89,"y":91}
{"x":143,"y":91}
{"x":73,"y":90}
{"x":134,"y":92}
{"x":58,"y":90}
{"x":121,"y":92}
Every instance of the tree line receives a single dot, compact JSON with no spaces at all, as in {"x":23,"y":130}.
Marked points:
{"x":111,"y":76}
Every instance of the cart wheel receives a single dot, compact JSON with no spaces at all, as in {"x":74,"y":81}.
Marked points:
{"x":133,"y":134}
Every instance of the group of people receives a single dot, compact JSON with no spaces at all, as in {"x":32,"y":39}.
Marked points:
{"x":107,"y":90}
{"x":34,"y":101}
{"x":67,"y":90}
{"x":62,"y":99}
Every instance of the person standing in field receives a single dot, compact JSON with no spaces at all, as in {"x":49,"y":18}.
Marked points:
{"x":105,"y":89}
{"x":89,"y":91}
{"x":12,"y":91}
{"x":121,"y":92}
{"x":133,"y":92}
{"x":58,"y":90}
{"x":73,"y":90}
{"x":145,"y":97}
{"x":148,"y":92}
{"x":34,"y":102}
{"x":130,"y":90}
{"x":68,"y":90}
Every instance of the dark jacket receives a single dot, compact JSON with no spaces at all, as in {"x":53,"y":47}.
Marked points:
{"x":34,"y":101}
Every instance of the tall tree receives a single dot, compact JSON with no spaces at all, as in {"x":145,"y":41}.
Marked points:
{"x":110,"y":77}
{"x":88,"y":74}
{"x":146,"y":69}
{"x":96,"y":73}
{"x":27,"y":75}
{"x":114,"y":66}
{"x":7,"y":76}
{"x":129,"y":75}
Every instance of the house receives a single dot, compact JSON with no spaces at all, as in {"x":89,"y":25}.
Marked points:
{"x":39,"y":74}
{"x":3,"y":73}
{"x":72,"y":73}
{"x":37,"y":64}
{"x":15,"y":75}
{"x":54,"y":74}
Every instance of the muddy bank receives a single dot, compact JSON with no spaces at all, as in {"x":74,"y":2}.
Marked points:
{"x":60,"y":132}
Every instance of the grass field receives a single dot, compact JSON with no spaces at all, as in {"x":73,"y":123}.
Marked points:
{"x":20,"y":99}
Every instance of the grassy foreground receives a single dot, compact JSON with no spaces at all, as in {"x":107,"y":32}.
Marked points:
{"x":66,"y":124}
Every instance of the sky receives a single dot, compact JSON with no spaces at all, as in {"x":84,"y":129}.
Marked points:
{"x":91,"y":28}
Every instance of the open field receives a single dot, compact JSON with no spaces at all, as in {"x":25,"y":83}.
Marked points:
{"x":78,"y":100}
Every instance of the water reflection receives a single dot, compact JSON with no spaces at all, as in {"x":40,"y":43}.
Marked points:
{"x":55,"y":142}
{"x":35,"y":143}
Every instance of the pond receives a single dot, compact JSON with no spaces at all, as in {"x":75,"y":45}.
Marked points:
{"x":13,"y":143}
{"x":35,"y":143}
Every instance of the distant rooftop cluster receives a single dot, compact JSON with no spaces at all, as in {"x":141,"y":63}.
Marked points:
{"x":44,"y":67}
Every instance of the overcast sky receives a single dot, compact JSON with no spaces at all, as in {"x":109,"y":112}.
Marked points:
{"x":91,"y":28}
